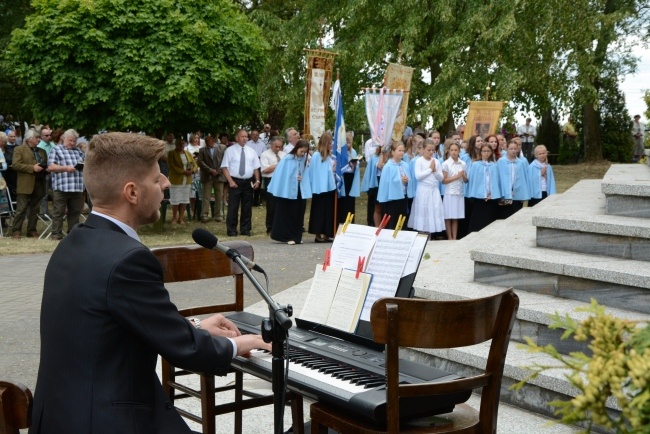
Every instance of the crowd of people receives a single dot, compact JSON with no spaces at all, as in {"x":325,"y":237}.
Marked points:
{"x":445,"y":188}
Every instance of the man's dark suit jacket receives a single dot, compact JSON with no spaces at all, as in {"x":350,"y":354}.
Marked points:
{"x":206,"y":162}
{"x":105,"y":317}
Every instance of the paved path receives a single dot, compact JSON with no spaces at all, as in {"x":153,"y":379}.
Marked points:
{"x":21,"y":286}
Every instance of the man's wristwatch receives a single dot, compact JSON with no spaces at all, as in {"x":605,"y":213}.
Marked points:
{"x":195,"y":322}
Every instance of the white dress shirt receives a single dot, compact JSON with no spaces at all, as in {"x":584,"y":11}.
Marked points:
{"x":232,"y":157}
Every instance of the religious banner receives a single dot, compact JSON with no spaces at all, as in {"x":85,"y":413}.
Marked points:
{"x":483,"y":118}
{"x":382,"y":107}
{"x":399,"y":77}
{"x":320,"y":64}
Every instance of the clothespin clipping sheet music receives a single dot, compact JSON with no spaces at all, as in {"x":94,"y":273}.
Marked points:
{"x":326,"y":262}
{"x":361,"y":263}
{"x":400,"y":222}
{"x":384,"y":221}
{"x":348,"y":220}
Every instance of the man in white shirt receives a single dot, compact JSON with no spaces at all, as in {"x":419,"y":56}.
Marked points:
{"x":241,"y":167}
{"x":258,"y":146}
{"x":527,"y":132}
{"x":269,"y":161}
{"x":266,"y":135}
{"x":638,"y":131}
{"x":292,"y":138}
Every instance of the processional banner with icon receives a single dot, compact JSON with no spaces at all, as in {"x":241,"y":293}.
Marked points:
{"x":483,"y":118}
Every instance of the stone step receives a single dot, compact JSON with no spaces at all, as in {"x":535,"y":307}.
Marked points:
{"x":627,"y":189}
{"x":448,"y":274}
{"x":518,"y":263}
{"x":576,"y":221}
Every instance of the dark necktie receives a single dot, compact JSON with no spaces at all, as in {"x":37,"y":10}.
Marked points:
{"x":242,"y":163}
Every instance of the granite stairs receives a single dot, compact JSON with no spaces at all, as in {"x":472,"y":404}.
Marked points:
{"x":593,"y":241}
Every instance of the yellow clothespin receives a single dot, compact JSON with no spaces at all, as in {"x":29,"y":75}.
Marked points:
{"x":348,"y":220}
{"x":398,"y":227}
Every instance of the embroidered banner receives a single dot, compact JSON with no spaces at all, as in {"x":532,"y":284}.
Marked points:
{"x":382,"y":107}
{"x":319,"y":79}
{"x":399,"y":77}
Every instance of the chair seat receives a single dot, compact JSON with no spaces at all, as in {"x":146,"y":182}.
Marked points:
{"x":464,"y":419}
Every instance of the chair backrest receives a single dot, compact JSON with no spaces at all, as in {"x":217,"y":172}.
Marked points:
{"x":15,"y":407}
{"x":446,"y":324}
{"x":181,"y":264}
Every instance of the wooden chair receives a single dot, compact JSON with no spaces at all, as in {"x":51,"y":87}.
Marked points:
{"x":15,"y":407}
{"x":182,"y":264}
{"x":435,"y":324}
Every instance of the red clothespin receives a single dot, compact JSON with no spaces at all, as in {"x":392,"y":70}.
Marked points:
{"x":360,"y":264}
{"x":384,"y":222}
{"x":326,"y":262}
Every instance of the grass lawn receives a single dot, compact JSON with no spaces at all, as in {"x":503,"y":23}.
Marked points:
{"x":168,"y":235}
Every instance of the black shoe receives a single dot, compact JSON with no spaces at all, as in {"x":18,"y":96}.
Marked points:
{"x":232,"y":234}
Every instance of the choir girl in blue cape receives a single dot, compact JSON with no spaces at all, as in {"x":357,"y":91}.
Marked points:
{"x":454,"y":172}
{"x":291,"y":187}
{"x":493,"y":141}
{"x":370,"y":185}
{"x":395,"y":187}
{"x":323,"y":189}
{"x":541,"y":181}
{"x":350,"y":188}
{"x":427,"y":214}
{"x":473,"y":153}
{"x":513,"y":178}
{"x":484,"y":189}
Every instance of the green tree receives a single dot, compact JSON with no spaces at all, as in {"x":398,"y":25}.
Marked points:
{"x":138,"y":64}
{"x":13,"y":13}
{"x":615,"y":123}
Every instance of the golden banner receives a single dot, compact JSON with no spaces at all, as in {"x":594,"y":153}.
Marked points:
{"x":320,"y":64}
{"x":483,"y":118}
{"x":399,"y":77}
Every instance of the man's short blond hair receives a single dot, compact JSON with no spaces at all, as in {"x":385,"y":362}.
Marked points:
{"x":114,"y":159}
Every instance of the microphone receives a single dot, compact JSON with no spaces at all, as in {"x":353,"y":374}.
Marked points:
{"x":206,"y":239}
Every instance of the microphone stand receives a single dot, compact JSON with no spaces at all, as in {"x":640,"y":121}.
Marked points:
{"x":275,"y":330}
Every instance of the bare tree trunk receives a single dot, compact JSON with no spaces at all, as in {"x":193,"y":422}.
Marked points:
{"x":591,"y":126}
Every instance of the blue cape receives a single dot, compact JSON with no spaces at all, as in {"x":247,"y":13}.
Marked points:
{"x":370,"y":176}
{"x":520,"y":190}
{"x":355,"y":191}
{"x":284,"y":182}
{"x":411,"y":173}
{"x":390,"y":183}
{"x":476,"y":176}
{"x":535,"y":180}
{"x":321,"y":174}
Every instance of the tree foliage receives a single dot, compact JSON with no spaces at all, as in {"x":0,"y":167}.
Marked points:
{"x":138,"y":64}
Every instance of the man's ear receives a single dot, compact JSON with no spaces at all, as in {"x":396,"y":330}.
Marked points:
{"x":130,"y":192}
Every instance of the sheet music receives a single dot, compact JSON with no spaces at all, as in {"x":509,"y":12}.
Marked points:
{"x":350,"y":294}
{"x":321,"y":294}
{"x":357,"y":240}
{"x":386,"y":265}
{"x":413,"y":261}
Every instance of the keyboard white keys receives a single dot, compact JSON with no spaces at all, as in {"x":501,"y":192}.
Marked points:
{"x":301,"y":374}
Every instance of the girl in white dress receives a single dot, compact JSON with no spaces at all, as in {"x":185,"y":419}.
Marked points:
{"x":427,"y":214}
{"x":454,"y":171}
